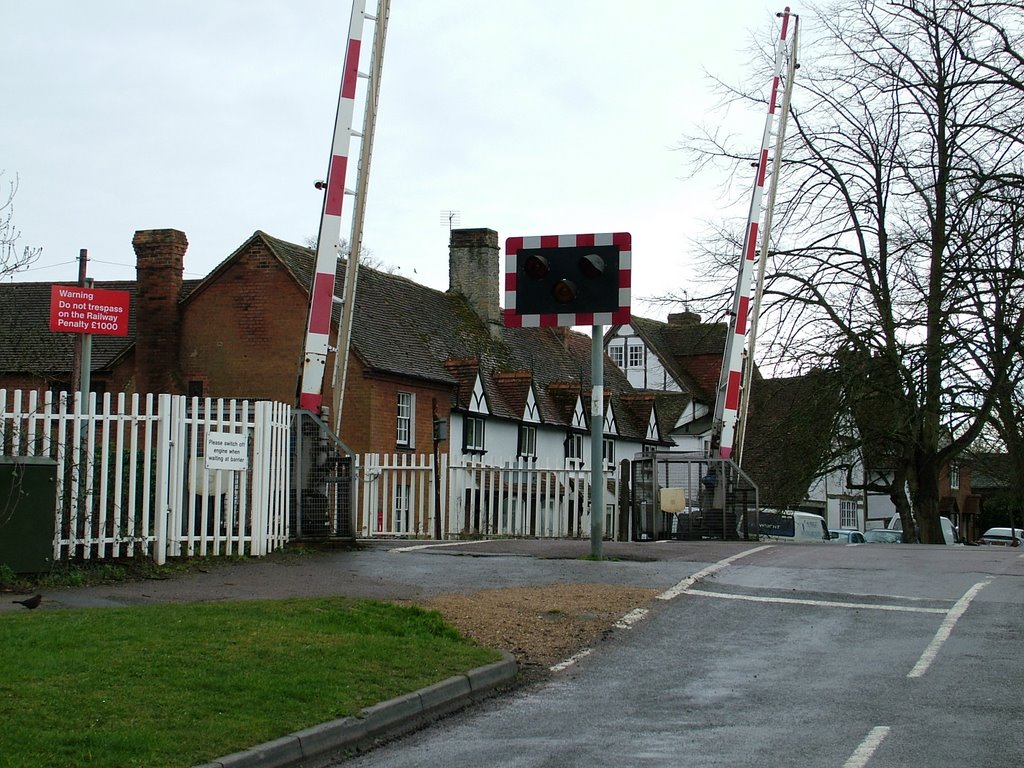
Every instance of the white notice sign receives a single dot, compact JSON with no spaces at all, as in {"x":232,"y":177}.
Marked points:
{"x":226,"y":450}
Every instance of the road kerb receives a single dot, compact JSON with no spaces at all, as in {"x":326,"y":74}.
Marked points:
{"x":388,"y":719}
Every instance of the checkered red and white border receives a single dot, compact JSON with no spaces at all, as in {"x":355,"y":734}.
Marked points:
{"x":621,"y":315}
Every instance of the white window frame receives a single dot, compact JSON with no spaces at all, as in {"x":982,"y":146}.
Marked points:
{"x":528,"y":441}
{"x":405,"y":420}
{"x":849,"y":516}
{"x":473,"y":434}
{"x":635,"y":356}
{"x":574,"y":447}
{"x":608,"y":451}
{"x":617,"y":353}
{"x":954,"y":476}
{"x":402,"y":508}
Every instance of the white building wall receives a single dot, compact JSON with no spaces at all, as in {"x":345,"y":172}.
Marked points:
{"x":880,"y":509}
{"x":833,"y":490}
{"x":501,"y":442}
{"x":643,"y":368}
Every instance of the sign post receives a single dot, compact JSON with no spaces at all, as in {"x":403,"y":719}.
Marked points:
{"x":567,"y":280}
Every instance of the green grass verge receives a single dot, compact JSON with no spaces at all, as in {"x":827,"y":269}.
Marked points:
{"x":181,"y":684}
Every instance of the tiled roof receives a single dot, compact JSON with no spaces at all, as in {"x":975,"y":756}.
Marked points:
{"x":514,"y":389}
{"x":692,"y":352}
{"x":684,"y":339}
{"x":670,"y":406}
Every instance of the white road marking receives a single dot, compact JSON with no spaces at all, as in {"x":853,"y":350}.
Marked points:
{"x":626,"y":622}
{"x":946,"y":629}
{"x":867,"y":747}
{"x":824,"y":603}
{"x":571,"y":660}
{"x":415,"y":547}
{"x":689,"y":581}
{"x":631,"y":618}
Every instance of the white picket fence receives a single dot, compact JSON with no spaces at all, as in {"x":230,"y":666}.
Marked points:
{"x":133,"y":477}
{"x":411,"y":495}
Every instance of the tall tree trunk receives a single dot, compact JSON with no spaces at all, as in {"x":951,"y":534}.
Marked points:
{"x":926,"y":500}
{"x":898,"y":497}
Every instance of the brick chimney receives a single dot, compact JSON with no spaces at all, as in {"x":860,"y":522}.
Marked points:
{"x":473,"y":271}
{"x":159,"y":265}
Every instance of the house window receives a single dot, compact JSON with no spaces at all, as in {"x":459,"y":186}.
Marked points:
{"x":473,"y":435}
{"x":616,"y":352}
{"x":954,"y":477}
{"x":574,"y":447}
{"x":527,"y":441}
{"x":404,"y":428}
{"x":636,"y":356}
{"x":402,"y":523}
{"x":848,"y":514}
{"x":608,"y":452}
{"x":195,"y":388}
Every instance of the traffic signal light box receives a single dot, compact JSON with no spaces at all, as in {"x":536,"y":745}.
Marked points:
{"x":566,"y":280}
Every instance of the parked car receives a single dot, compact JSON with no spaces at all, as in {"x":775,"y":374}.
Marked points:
{"x":949,"y":535}
{"x":786,"y":526}
{"x":883,"y":536}
{"x":1002,"y":537}
{"x":843,"y":536}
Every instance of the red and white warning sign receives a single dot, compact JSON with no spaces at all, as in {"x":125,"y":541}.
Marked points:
{"x":74,"y":309}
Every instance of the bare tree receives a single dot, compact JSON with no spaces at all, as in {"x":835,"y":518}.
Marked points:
{"x":366,"y":256}
{"x":897,"y":182}
{"x":12,"y":259}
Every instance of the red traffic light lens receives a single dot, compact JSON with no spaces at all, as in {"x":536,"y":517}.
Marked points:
{"x":591,"y":266}
{"x":536,"y":267}
{"x":564,"y":292}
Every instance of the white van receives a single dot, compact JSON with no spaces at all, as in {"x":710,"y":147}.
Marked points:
{"x":948,"y":531}
{"x":783,"y":526}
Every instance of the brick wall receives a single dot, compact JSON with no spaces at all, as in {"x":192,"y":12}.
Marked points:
{"x":370,"y":415}
{"x":25,"y":382}
{"x":242,"y":333}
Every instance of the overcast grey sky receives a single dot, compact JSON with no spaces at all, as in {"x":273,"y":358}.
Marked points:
{"x":215,"y":117}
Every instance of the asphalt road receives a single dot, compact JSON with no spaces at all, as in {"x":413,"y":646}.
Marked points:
{"x":789,"y":655}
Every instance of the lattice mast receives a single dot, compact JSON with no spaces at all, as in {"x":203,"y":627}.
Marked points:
{"x":731,"y":401}
{"x":328,"y":248}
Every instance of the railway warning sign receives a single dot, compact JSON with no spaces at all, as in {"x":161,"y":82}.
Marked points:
{"x":98,"y":311}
